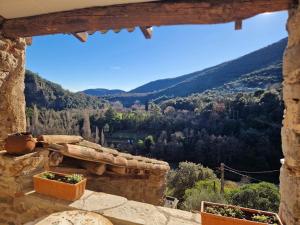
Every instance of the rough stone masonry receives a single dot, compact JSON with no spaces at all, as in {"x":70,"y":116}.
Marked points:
{"x":12,"y":99}
{"x":290,"y":171}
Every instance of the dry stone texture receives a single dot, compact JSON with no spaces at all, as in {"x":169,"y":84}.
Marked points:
{"x":16,"y":171}
{"x":12,"y":72}
{"x":290,"y":197}
{"x":15,"y":180}
{"x":147,"y":189}
{"x":290,"y":171}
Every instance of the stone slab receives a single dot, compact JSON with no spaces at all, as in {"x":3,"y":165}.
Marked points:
{"x":75,"y":217}
{"x":137,"y":213}
{"x":177,"y":221}
{"x":181,"y":214}
{"x":98,"y":202}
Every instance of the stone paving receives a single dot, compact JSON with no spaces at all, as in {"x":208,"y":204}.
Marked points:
{"x":119,"y":210}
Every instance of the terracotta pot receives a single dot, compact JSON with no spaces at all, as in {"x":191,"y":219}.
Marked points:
{"x":58,"y":189}
{"x":19,"y":143}
{"x":212,"y":219}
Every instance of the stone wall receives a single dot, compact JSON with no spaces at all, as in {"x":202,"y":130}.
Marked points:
{"x":149,"y":190}
{"x":15,"y":181}
{"x":290,"y":171}
{"x":12,"y":72}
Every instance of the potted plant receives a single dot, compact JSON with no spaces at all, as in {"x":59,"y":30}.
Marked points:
{"x":219,"y":214}
{"x":58,"y":185}
{"x":19,"y":143}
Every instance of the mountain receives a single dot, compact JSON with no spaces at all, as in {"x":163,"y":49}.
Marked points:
{"x":103,"y":92}
{"x":46,"y":94}
{"x":161,"y":84}
{"x":261,"y":68}
{"x":257,"y":70}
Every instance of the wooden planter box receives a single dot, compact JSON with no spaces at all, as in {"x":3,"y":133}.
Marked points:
{"x":58,"y":189}
{"x":212,"y":219}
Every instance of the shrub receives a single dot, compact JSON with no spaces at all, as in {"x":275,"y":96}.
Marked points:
{"x":186,"y":176}
{"x":263,"y":196}
{"x":205,"y":190}
{"x":194,"y":198}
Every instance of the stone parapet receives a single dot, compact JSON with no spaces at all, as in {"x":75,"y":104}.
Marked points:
{"x":119,"y":210}
{"x":147,"y":189}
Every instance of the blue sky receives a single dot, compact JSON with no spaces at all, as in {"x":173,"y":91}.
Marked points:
{"x":127,"y":60}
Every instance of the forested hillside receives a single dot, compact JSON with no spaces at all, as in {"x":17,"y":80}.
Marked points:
{"x":46,"y":94}
{"x":241,"y":130}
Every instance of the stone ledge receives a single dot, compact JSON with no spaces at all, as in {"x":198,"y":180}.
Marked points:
{"x":13,"y":166}
{"x":16,"y":171}
{"x":118,"y":210}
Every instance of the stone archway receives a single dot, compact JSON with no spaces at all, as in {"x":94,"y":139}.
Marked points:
{"x":12,"y":109}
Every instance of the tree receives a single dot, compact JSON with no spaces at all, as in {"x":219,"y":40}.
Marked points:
{"x":169,"y":110}
{"x":97,"y":138}
{"x":147,"y":105}
{"x":140,"y":144}
{"x":154,"y":108}
{"x":28,"y":125}
{"x":110,"y":115}
{"x":86,"y":127}
{"x":35,"y":125}
{"x":102,"y":138}
{"x":149,"y":141}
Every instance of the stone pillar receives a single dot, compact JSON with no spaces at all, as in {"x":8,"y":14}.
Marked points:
{"x":12,"y":99}
{"x":290,"y":171}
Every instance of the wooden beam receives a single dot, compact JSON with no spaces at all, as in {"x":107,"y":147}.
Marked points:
{"x":147,"y":31}
{"x":238,"y":24}
{"x":28,"y":41}
{"x":103,"y":31}
{"x":130,"y":29}
{"x":82,"y":36}
{"x":141,"y":14}
{"x":117,"y":30}
{"x":91,"y":32}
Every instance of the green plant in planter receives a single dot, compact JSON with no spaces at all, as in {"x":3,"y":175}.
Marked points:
{"x":264,"y":219}
{"x":226,"y":211}
{"x":74,"y":178}
{"x":48,"y":175}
